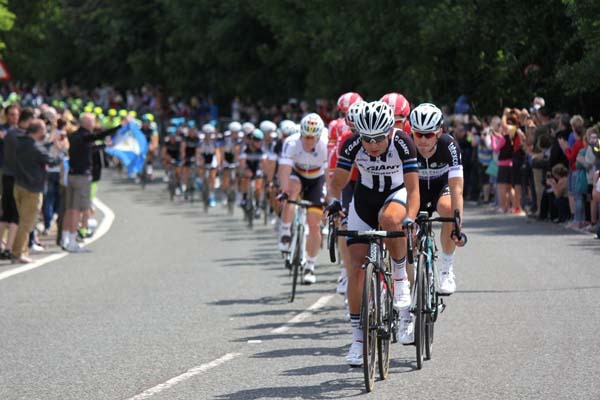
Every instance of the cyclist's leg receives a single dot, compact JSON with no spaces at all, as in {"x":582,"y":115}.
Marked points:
{"x":390,"y":219}
{"x":444,"y":208}
{"x":185,"y":175}
{"x":287,"y":213}
{"x":347,"y":194}
{"x":312,"y":190}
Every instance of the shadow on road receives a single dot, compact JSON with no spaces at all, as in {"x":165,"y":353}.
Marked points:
{"x":333,"y":389}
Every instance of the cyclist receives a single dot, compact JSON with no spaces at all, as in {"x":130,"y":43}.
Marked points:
{"x":440,"y":180}
{"x":229,"y":153}
{"x":252,"y":161}
{"x":190,"y":144}
{"x":348,"y":191}
{"x":339,"y":125}
{"x":302,"y":168}
{"x":208,"y":159}
{"x":150,"y":131}
{"x":386,"y":196}
{"x":401,"y":108}
{"x":269,"y":146}
{"x":171,"y":154}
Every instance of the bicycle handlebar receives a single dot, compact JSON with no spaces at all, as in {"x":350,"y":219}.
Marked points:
{"x":304,"y":203}
{"x":371,"y":234}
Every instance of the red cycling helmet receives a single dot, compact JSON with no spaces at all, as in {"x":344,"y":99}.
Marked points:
{"x":398,"y":103}
{"x":346,"y":100}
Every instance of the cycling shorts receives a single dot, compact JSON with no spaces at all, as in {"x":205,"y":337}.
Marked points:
{"x":429,"y":198}
{"x":363,"y":214}
{"x":312,"y":189}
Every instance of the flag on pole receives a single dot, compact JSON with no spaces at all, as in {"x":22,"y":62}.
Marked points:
{"x":130,"y":146}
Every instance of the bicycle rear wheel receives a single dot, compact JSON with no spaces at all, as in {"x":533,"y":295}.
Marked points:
{"x":368,"y":319}
{"x":385,"y":328}
{"x":419,"y":310}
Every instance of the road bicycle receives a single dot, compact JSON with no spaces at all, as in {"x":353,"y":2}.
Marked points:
{"x":231,"y":191}
{"x":295,"y":256}
{"x":172,"y":179}
{"x":427,"y":302}
{"x":378,"y":318}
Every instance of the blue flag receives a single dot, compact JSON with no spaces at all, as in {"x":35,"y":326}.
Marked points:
{"x":130,"y":146}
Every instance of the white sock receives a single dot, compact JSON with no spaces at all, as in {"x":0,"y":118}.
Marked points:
{"x":73,"y":238}
{"x":310,"y":263}
{"x":357,"y":332}
{"x":447,"y":261}
{"x":65,"y":237}
{"x":399,"y":267}
{"x":286,"y":228}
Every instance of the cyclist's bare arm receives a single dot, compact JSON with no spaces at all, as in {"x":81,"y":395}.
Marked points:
{"x":411,"y":181}
{"x":284,"y":175}
{"x":456,"y":193}
{"x":339,"y":180}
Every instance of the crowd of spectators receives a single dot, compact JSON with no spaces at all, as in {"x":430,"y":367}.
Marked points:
{"x":524,"y":161}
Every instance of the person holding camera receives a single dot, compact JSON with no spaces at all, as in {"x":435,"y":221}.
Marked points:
{"x":57,"y":146}
{"x":32,"y":159}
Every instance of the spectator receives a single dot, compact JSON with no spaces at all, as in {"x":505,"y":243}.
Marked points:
{"x":10,"y":216}
{"x":576,"y":204}
{"x":11,"y":112}
{"x":79,"y":178}
{"x":591,"y":161}
{"x":30,"y":178}
{"x":57,"y":146}
{"x":558,"y":180}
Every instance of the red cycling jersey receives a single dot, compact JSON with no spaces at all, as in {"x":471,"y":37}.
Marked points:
{"x":341,"y":134}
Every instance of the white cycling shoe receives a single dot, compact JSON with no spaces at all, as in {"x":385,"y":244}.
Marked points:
{"x":309,"y":276}
{"x":401,"y":295}
{"x":354,"y":358}
{"x":447,"y":283}
{"x":406,"y":330}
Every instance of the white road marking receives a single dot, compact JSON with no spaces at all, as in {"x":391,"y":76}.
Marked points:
{"x":184,"y":377}
{"x":103,"y":228}
{"x":303,"y":315}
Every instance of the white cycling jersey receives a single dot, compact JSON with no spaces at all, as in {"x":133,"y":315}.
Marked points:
{"x":308,"y":164}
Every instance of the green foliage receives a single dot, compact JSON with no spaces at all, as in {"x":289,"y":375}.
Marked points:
{"x":7,"y":20}
{"x":497,"y":53}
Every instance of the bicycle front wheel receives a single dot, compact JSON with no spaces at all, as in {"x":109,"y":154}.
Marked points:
{"x":369,"y":325}
{"x":297,"y":259}
{"x":420,"y":310}
{"x":431,"y":305}
{"x":385,"y":326}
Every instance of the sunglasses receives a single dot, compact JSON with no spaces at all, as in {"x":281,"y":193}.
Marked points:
{"x":309,"y":137}
{"x":426,"y":135}
{"x":373,"y":139}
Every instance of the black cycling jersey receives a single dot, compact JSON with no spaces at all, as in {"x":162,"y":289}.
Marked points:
{"x":191,"y":143}
{"x":173,"y":147}
{"x":253,"y":158}
{"x":148,"y":133}
{"x":434,"y":171}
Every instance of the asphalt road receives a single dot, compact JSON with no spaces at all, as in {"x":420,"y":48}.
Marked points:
{"x":173,"y":303}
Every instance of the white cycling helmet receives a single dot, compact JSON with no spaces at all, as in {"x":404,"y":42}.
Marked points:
{"x":208,"y":129}
{"x":352,"y":113}
{"x":287,"y":127}
{"x":374,"y":119}
{"x":248,"y":127}
{"x":311,"y":125}
{"x":426,"y":117}
{"x":268,"y":127}
{"x":235,"y":126}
